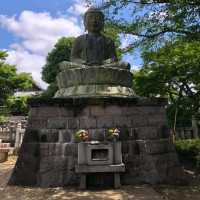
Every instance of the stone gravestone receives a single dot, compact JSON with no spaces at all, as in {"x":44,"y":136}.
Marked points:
{"x":95,"y":94}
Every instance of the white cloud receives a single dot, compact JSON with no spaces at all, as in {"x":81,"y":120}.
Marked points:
{"x":38,"y":33}
{"x":27,"y":62}
{"x":77,"y":8}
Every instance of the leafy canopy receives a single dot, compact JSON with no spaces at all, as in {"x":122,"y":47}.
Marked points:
{"x":153,"y":22}
{"x":59,"y":53}
{"x":10,"y":80}
{"x":172,"y":71}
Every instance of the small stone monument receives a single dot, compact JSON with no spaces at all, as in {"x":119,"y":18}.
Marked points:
{"x":4,"y":150}
{"x":95,"y":94}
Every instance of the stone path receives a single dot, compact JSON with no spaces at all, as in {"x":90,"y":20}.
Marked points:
{"x":143,"y":192}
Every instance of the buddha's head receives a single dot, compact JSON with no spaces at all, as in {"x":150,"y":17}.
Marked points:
{"x":94,"y":20}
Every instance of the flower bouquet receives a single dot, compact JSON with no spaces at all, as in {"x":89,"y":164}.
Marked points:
{"x":112,"y":134}
{"x":82,"y":135}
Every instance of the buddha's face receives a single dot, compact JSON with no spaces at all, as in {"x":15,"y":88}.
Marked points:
{"x":94,"y":22}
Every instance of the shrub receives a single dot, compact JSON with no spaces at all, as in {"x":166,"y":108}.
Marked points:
{"x":18,"y":105}
{"x":189,"y":151}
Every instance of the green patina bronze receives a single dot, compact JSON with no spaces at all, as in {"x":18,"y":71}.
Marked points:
{"x":94,"y":69}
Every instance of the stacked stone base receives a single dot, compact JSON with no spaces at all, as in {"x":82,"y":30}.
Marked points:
{"x":49,"y":152}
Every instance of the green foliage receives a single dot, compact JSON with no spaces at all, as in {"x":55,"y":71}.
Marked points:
{"x":24,"y":81}
{"x":18,"y":105}
{"x":183,"y":116}
{"x":154,"y":22}
{"x":3,"y":119}
{"x":59,"y":53}
{"x":10,"y":80}
{"x":112,"y":33}
{"x":189,"y":150}
{"x":172,"y":71}
{"x":168,"y":34}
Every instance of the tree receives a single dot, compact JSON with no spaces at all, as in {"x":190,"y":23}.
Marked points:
{"x":153,"y":22}
{"x":18,"y":105}
{"x":10,"y":80}
{"x":168,"y":34}
{"x":59,"y":53}
{"x":172,"y":71}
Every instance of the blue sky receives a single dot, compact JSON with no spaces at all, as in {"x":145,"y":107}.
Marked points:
{"x":30,"y":28}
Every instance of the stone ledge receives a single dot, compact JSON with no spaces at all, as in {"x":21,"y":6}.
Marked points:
{"x":104,"y":101}
{"x":99,"y":168}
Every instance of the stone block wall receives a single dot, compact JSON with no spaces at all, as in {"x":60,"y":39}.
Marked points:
{"x":49,"y":151}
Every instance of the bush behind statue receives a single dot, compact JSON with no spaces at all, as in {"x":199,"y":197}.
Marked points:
{"x":189,"y":152}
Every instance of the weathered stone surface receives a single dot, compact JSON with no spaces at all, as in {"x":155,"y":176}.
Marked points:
{"x":37,"y":123}
{"x":124,"y":132}
{"x":49,"y":111}
{"x":121,"y":121}
{"x":25,"y":170}
{"x":56,"y":123}
{"x":140,"y":120}
{"x":157,"y":120}
{"x":98,"y":75}
{"x":49,"y":135}
{"x":88,"y":122}
{"x":113,"y":110}
{"x":72,"y":123}
{"x":50,"y":149}
{"x":94,"y":91}
{"x":97,"y":111}
{"x":99,"y":168}
{"x":69,"y":175}
{"x":51,"y":171}
{"x":70,"y":149}
{"x":65,"y":136}
{"x":156,"y":146}
{"x":83,"y":111}
{"x":141,"y":169}
{"x":31,"y":136}
{"x":147,"y":150}
{"x":105,"y":122}
{"x":145,"y":133}
{"x":97,"y":134}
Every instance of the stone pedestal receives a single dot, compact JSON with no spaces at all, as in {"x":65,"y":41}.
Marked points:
{"x":92,"y":81}
{"x":49,"y":152}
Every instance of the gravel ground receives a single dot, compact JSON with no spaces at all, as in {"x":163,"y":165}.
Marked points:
{"x":142,"y":192}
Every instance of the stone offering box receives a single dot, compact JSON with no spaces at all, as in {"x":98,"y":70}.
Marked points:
{"x":49,"y":152}
{"x":4,"y":150}
{"x":99,"y":157}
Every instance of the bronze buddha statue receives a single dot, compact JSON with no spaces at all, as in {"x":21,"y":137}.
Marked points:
{"x":94,"y":69}
{"x":93,"y":48}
